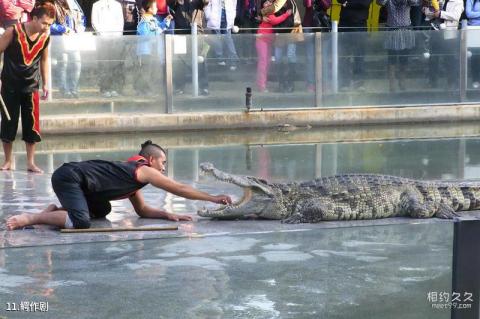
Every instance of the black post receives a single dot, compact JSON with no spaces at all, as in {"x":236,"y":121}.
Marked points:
{"x":248,"y":98}
{"x":466,"y":270}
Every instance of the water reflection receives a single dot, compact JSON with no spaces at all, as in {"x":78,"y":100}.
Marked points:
{"x":277,"y":161}
{"x":333,"y":273}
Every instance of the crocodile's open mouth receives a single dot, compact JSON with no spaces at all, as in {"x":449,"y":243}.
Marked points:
{"x":253,"y":190}
{"x":247,"y":192}
{"x":247,"y":196}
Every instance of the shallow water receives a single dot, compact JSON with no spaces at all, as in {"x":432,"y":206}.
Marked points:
{"x":307,"y":274}
{"x":239,"y":269}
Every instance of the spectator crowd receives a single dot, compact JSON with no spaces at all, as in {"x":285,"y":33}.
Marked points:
{"x":220,"y":18}
{"x":112,"y":18}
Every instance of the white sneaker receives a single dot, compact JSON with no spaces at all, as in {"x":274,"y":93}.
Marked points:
{"x":113,"y":94}
{"x":107,"y":94}
{"x":476,"y":85}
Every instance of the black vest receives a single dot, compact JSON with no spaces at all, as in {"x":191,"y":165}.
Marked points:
{"x":106,"y":180}
{"x":21,"y":69}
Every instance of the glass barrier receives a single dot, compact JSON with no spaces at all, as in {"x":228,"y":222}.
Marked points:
{"x":185,"y":73}
{"x":472,"y":48}
{"x":101,"y":74}
{"x":273,"y":66}
{"x":398,"y":67}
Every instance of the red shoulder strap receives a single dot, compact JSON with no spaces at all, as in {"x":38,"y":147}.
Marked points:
{"x":138,"y":159}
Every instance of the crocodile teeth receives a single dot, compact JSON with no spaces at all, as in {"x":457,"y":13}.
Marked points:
{"x":247,"y":194}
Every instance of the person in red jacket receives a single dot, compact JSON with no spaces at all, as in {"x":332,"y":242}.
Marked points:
{"x":163,"y":12}
{"x":14,"y":11}
{"x":86,"y":188}
{"x":264,"y":44}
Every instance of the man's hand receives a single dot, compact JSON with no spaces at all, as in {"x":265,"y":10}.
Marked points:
{"x":222,"y":199}
{"x":45,"y":92}
{"x":176,"y":218}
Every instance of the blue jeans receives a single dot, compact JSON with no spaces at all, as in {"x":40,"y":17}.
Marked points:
{"x":171,"y":27}
{"x":310,"y":57}
{"x":291,"y":52}
{"x":227,"y":40}
{"x":69,"y":68}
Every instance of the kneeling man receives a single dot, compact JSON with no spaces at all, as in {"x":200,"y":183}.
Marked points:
{"x":86,"y":188}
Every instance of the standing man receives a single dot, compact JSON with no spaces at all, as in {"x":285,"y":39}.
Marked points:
{"x":108,"y":22}
{"x":86,"y":188}
{"x":25,"y":60}
{"x":220,"y":16}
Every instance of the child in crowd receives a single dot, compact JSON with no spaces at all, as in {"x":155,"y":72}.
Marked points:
{"x":149,"y":25}
{"x":432,"y":6}
{"x":264,"y":44}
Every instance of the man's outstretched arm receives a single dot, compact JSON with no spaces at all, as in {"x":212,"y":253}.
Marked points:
{"x":150,"y":175}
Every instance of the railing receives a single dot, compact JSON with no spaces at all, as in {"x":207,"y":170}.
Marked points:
{"x":315,"y":70}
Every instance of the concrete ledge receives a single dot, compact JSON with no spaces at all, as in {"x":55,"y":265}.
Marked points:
{"x":115,"y":142}
{"x":117,"y":122}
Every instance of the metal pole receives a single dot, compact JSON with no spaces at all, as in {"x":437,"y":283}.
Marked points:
{"x":463,"y":64}
{"x":49,"y":71}
{"x":194,"y":60}
{"x":335,"y":57}
{"x":318,"y":70}
{"x":318,"y":160}
{"x":462,"y":147}
{"x":195,"y":165}
{"x":168,"y":73}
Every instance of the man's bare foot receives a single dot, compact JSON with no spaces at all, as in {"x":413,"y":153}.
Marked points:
{"x":19,"y":221}
{"x":34,"y":169}
{"x":7,"y":166}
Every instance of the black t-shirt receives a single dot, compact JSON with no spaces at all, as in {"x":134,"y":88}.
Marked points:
{"x":21,"y":67}
{"x":288,"y":22}
{"x":355,"y":13}
{"x":107,"y":180}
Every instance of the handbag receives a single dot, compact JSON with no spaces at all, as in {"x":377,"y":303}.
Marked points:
{"x":297,"y":34}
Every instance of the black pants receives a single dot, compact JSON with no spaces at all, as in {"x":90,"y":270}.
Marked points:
{"x":67,"y":185}
{"x":182,"y":71}
{"x":18,"y":103}
{"x":443,"y":62}
{"x":354,"y":51}
{"x":111,"y":56}
{"x":149,"y":74}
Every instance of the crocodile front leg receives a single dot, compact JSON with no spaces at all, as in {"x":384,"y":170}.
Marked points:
{"x":413,"y":203}
{"x":319,"y":209}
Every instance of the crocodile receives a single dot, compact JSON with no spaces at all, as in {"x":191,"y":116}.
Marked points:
{"x":344,"y":197}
